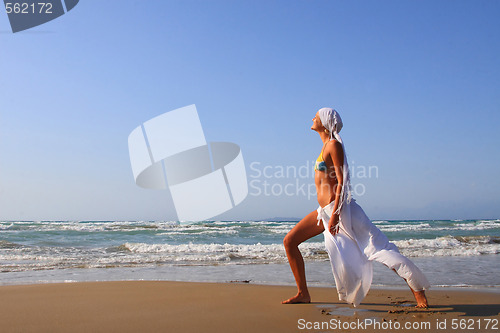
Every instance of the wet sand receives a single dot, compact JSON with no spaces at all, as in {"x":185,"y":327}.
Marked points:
{"x":143,"y":306}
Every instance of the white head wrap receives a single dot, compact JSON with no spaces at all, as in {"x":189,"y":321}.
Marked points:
{"x":331,"y":120}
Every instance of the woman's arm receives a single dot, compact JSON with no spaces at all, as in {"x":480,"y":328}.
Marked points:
{"x":336,"y":154}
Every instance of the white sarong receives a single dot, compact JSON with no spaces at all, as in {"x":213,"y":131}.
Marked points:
{"x":352,"y":249}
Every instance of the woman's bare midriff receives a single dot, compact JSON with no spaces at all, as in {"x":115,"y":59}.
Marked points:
{"x":326,"y":183}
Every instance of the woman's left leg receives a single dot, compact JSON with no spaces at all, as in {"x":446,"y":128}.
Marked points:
{"x":307,"y":228}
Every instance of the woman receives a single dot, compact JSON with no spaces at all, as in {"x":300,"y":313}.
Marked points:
{"x":351,"y":240}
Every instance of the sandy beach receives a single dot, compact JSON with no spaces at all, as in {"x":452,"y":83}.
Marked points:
{"x":142,"y":306}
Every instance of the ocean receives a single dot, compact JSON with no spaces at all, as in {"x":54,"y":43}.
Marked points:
{"x":452,"y":253}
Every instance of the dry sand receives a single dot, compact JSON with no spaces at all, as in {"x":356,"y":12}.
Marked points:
{"x":139,"y":306}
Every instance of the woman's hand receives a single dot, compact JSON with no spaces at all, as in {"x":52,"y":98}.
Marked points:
{"x":332,"y":225}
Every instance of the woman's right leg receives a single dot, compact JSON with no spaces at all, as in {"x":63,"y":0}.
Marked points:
{"x":388,"y":254}
{"x":307,"y":227}
{"x":407,"y":270}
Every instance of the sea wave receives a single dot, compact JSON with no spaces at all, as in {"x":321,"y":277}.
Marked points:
{"x":439,"y":226}
{"x":14,"y":257}
{"x":9,"y":245}
{"x":278,"y":227}
{"x":142,"y":254}
{"x":35,"y":245}
{"x":166,"y":227}
{"x":450,"y":246}
{"x":226,"y":252}
{"x":86,"y":226}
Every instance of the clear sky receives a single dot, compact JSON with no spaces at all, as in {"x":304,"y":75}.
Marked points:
{"x":417,"y":84}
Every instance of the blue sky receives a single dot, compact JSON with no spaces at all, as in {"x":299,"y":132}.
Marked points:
{"x":416,"y":83}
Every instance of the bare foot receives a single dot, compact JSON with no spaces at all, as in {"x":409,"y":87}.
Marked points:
{"x":299,"y":298}
{"x":421,"y":299}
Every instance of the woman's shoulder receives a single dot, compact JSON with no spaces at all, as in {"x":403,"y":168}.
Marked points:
{"x":333,"y":146}
{"x":333,"y":143}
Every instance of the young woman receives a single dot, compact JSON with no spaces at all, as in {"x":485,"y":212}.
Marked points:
{"x":352,"y":240}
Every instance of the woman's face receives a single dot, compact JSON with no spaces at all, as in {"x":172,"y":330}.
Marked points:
{"x":317,"y":125}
